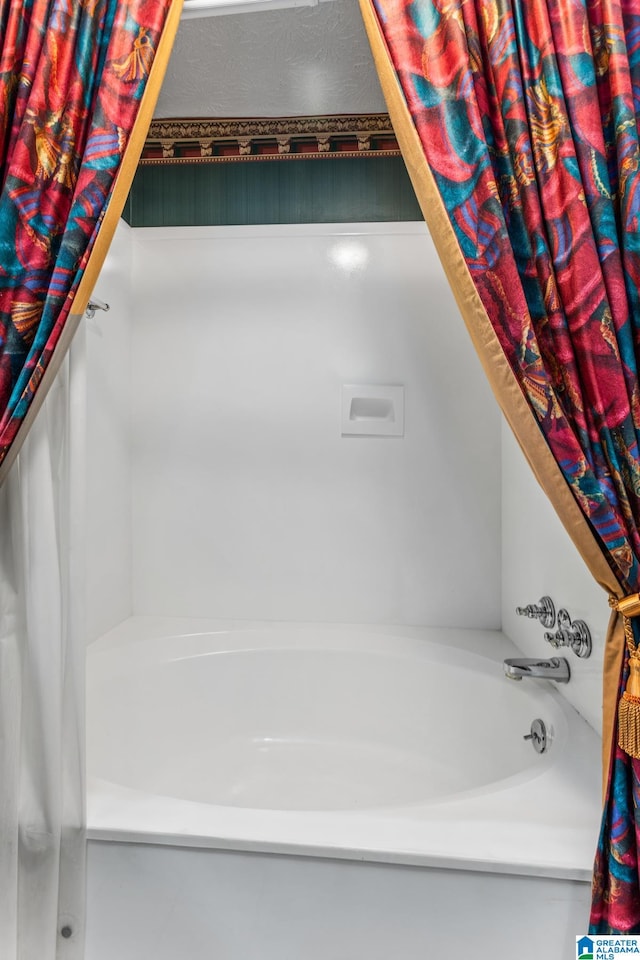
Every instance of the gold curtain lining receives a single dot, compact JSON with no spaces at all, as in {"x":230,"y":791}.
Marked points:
{"x":110,"y":220}
{"x":503,"y":382}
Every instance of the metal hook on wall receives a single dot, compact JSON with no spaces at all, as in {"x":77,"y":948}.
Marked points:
{"x":94,"y":305}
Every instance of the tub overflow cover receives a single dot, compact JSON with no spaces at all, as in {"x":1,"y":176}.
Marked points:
{"x":538,"y":736}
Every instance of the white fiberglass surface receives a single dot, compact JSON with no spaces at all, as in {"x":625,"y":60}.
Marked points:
{"x":301,"y":720}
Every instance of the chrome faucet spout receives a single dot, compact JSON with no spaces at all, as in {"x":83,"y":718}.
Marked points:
{"x":556,"y":669}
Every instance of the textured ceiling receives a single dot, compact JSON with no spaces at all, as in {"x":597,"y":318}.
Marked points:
{"x":302,"y":61}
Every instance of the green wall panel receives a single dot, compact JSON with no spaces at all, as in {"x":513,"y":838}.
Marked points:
{"x":272,"y":191}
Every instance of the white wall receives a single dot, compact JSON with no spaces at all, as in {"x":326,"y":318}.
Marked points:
{"x":538,"y":559}
{"x":108,"y":338}
{"x":247,"y":503}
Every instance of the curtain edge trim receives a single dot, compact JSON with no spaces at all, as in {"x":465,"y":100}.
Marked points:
{"x":501,"y":378}
{"x":113,"y":211}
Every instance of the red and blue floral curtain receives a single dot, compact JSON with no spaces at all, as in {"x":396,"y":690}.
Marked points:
{"x":519,"y":123}
{"x":78,"y":83}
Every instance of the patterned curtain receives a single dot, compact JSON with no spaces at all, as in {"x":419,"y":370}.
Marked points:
{"x":519,"y":123}
{"x":73,"y":74}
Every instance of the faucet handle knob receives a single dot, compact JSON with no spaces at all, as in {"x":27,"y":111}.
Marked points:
{"x":553,"y":639}
{"x":575,"y":635}
{"x":544,"y":611}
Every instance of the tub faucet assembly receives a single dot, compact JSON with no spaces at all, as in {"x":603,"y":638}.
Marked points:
{"x":556,"y":669}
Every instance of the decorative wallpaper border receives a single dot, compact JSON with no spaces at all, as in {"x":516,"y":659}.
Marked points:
{"x":172,"y":141}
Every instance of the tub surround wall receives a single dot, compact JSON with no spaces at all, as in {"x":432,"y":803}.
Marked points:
{"x":538,"y":558}
{"x":247,"y":502}
{"x":108,"y":338}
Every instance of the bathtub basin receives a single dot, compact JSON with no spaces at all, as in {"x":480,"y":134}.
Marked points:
{"x":399,"y":745}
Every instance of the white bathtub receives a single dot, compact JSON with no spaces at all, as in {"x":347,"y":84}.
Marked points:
{"x":400,"y":747}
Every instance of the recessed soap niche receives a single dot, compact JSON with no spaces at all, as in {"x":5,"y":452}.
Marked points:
{"x":370,"y":410}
